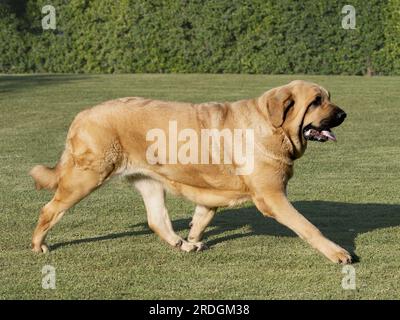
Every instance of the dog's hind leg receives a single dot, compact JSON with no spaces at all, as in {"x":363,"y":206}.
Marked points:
{"x":158,"y":219}
{"x":201,"y":219}
{"x":73,"y":186}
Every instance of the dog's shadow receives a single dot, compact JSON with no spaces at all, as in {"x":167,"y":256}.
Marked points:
{"x":340,"y":222}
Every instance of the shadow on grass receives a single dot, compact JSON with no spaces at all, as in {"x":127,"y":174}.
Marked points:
{"x":10,"y":83}
{"x":340,"y":222}
{"x":101,"y":238}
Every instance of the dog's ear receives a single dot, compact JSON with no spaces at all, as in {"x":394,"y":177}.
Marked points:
{"x":278,"y":104}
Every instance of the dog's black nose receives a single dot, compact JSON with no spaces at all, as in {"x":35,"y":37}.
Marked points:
{"x":341,"y":115}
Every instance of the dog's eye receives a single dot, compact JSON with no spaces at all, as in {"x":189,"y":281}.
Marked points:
{"x":317,"y":101}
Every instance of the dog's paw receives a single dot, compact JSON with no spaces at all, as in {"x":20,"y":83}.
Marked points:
{"x":192,"y":246}
{"x":43,"y":248}
{"x":339,"y":255}
{"x":343,"y":257}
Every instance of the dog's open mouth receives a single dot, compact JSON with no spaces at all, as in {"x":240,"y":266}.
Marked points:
{"x":318,"y":134}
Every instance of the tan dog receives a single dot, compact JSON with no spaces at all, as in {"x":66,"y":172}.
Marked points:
{"x":112,"y":139}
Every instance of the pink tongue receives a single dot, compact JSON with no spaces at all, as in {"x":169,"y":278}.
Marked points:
{"x":328,"y":134}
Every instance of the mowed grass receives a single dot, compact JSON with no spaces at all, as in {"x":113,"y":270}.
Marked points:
{"x":103,"y":249}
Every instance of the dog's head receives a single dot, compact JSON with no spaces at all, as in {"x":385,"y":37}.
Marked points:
{"x":304,"y":111}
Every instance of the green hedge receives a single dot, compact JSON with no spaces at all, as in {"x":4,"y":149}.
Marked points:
{"x":213,"y":36}
{"x":389,"y":56}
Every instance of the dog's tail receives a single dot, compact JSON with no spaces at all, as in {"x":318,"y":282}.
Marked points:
{"x":45,"y":177}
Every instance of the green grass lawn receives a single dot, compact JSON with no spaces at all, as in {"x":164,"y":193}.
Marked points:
{"x":103,"y":248}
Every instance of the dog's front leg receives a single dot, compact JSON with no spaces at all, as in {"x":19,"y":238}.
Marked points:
{"x":277,"y":206}
{"x":201,"y":219}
